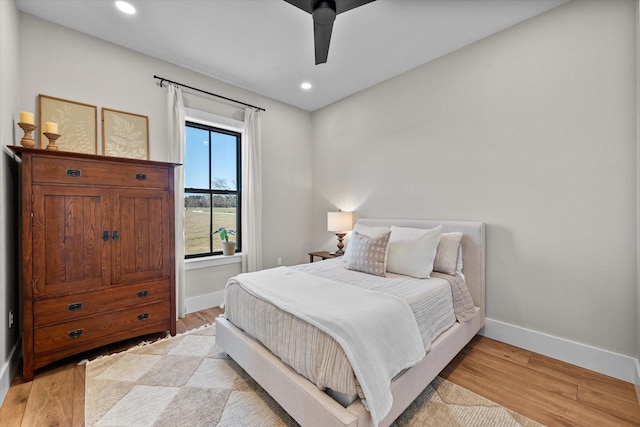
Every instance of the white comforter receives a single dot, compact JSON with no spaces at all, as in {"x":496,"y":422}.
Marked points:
{"x":354,"y":318}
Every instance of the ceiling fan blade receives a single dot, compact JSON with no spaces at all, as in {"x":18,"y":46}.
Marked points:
{"x":345,"y":5}
{"x":305,"y":5}
{"x":322,"y":38}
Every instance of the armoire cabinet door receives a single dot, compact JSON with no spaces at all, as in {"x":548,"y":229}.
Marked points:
{"x":69,"y":253}
{"x":140,"y":236}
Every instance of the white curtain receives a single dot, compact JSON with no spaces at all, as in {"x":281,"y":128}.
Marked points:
{"x":176,"y":119}
{"x":251,"y":192}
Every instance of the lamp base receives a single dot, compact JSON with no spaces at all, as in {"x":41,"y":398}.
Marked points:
{"x":340,"y":250}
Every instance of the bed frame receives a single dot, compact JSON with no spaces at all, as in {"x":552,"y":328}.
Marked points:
{"x":310,"y":406}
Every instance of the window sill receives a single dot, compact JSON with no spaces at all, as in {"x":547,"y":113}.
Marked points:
{"x":212,"y":261}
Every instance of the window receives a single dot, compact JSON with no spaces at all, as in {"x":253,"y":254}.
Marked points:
{"x":212,"y":188}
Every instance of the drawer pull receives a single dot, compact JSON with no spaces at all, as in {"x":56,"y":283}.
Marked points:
{"x":143,"y":294}
{"x":141,"y":177}
{"x":76,"y":333}
{"x":73,"y":172}
{"x":143,"y":316}
{"x":75,"y":306}
{"x":114,"y":235}
{"x":105,"y":235}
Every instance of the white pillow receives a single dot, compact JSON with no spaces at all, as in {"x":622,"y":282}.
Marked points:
{"x":412,"y":251}
{"x":367,"y":231}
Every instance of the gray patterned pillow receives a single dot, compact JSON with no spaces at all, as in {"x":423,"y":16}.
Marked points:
{"x":446,"y":260}
{"x":368,"y":254}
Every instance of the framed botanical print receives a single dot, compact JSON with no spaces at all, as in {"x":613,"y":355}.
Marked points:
{"x":125,"y":134}
{"x":77,"y":124}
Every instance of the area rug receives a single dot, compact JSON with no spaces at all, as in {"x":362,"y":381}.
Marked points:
{"x":187,"y":380}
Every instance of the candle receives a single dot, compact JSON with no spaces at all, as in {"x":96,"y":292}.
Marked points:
{"x":26,"y":117}
{"x":51,"y":127}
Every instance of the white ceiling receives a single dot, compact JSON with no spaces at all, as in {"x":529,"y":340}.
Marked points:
{"x":266,"y":46}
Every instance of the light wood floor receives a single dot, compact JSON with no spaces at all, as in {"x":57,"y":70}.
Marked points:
{"x":546,"y":390}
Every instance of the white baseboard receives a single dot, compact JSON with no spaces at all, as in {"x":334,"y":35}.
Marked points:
{"x":603,"y":361}
{"x":9,"y":369}
{"x":637,"y":382}
{"x":202,"y":302}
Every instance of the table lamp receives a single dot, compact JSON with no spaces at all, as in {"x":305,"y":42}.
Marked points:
{"x":340,"y":223}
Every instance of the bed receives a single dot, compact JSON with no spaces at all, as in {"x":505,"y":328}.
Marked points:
{"x":309,"y":404}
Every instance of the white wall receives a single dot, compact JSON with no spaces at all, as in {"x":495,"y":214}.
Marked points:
{"x":532,"y":131}
{"x":206,"y":284}
{"x":9,"y":18}
{"x":99,"y":73}
{"x":637,"y":15}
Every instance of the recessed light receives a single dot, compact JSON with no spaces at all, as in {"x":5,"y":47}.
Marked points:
{"x":125,"y":7}
{"x":306,"y":86}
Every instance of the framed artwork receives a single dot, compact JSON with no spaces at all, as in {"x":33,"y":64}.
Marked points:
{"x":77,"y":124}
{"x":125,"y":134}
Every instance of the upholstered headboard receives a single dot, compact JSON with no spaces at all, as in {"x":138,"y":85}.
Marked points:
{"x":473,"y":248}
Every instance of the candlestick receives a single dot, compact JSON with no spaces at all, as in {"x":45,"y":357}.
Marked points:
{"x":27,"y":139}
{"x":52,"y":140}
{"x":27,"y":117}
{"x":51,"y":127}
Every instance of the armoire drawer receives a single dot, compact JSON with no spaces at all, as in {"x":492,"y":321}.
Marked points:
{"x":83,"y":172}
{"x":84,"y":331}
{"x":72,"y":307}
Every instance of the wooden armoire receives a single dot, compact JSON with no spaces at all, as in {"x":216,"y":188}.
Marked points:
{"x":97,"y":243}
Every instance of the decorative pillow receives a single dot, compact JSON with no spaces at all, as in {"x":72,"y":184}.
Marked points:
{"x":368,"y":254}
{"x":367,"y":231}
{"x":448,"y":253}
{"x":412,"y":251}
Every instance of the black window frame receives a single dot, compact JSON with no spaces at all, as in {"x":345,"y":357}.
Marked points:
{"x":212,"y":192}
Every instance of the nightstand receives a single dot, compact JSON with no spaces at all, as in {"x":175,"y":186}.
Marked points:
{"x":321,"y":254}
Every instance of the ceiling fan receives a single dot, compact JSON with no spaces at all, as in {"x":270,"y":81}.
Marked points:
{"x":324,"y":13}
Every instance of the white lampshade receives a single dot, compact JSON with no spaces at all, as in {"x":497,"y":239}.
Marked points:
{"x":339,"y":221}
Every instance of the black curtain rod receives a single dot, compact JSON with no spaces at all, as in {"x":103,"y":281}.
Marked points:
{"x":162,"y":79}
